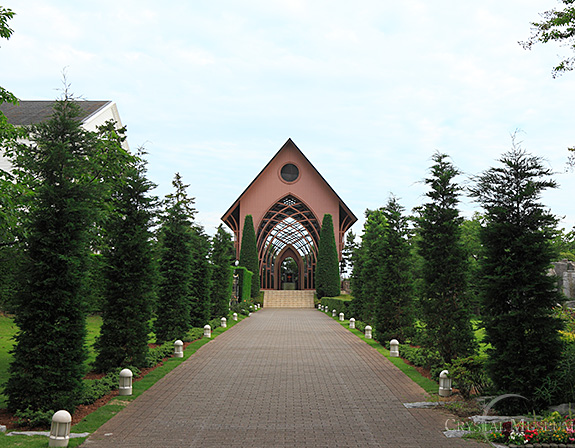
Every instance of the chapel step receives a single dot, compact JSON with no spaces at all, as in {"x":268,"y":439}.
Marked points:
{"x":288,"y":299}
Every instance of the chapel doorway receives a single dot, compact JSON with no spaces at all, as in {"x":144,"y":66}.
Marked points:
{"x":289,"y":274}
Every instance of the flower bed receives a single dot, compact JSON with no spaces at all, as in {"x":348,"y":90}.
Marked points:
{"x":554,"y":431}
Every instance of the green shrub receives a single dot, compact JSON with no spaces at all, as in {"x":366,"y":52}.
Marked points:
{"x":157,"y":354}
{"x":423,"y":357}
{"x":194,"y":334}
{"x":339,"y":305}
{"x":470,"y":376}
{"x":33,"y":419}
{"x":95,"y":389}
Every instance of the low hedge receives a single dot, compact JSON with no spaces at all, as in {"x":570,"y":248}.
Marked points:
{"x":339,"y":305}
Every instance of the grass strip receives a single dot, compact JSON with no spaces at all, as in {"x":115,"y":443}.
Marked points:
{"x":426,"y":384}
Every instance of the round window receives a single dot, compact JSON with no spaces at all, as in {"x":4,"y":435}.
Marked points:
{"x":289,"y":172}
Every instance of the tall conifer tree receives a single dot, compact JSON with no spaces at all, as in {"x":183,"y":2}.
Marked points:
{"x":175,"y":264}
{"x":445,"y":302}
{"x":200,"y":286}
{"x":249,"y":254}
{"x":62,"y":168}
{"x":518,"y":294}
{"x":223,"y":256}
{"x":393,"y":302}
{"x":129,"y":274}
{"x":327,"y":281}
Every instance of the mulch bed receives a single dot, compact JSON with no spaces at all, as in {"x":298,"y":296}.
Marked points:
{"x":10,"y":421}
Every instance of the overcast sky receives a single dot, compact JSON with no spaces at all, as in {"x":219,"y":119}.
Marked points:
{"x":367,"y":89}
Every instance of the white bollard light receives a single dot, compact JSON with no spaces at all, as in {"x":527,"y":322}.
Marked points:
{"x":394,"y":348}
{"x":224,"y":322}
{"x":178,"y":349}
{"x":368,"y":332}
{"x":333,"y":313}
{"x":444,"y":384}
{"x":207,"y":331}
{"x":341,"y":317}
{"x":125,"y":382}
{"x":60,"y":429}
{"x":249,"y":314}
{"x":352,"y":323}
{"x":235,"y":316}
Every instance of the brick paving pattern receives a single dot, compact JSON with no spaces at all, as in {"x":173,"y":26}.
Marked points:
{"x":282,"y":378}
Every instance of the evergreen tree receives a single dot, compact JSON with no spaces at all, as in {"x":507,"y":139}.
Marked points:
{"x":346,"y":263}
{"x":393,"y":310}
{"x":175,"y":265}
{"x":517,"y":293}
{"x":249,"y":254}
{"x":223,"y":257}
{"x":200,"y":278}
{"x":327,"y":281}
{"x":444,"y":303}
{"x":61,"y":169}
{"x":129,"y":272}
{"x":367,"y":261}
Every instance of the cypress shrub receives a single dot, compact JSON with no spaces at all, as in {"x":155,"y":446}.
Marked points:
{"x":327,"y":281}
{"x":249,"y":255}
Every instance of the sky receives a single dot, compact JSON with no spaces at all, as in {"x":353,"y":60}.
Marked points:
{"x":368,"y":90}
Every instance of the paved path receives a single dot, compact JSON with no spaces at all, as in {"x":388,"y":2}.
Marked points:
{"x":282,"y":378}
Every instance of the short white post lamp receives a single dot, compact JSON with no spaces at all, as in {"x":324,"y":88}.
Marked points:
{"x":341,"y":315}
{"x":333,"y":313}
{"x":352,"y":323}
{"x":207,"y":331}
{"x":394,"y":348}
{"x":125,"y":382}
{"x":235,"y":316}
{"x":224,"y":322}
{"x":444,"y":384}
{"x":60,"y":429}
{"x":368,"y":332}
{"x":178,"y":349}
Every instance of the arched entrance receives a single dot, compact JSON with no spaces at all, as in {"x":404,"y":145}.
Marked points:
{"x":289,"y":269}
{"x":289,"y":230}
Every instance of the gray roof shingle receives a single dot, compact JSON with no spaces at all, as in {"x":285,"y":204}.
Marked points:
{"x":33,"y":112}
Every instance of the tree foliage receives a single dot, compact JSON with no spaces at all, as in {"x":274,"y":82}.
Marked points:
{"x":200,"y":286}
{"x":62,"y":168}
{"x":367,"y":259}
{"x":249,"y":254}
{"x":444,"y":301}
{"x":346,"y":263}
{"x":175,"y":264}
{"x":559,"y":26}
{"x":129,"y":275}
{"x":327,"y":281}
{"x":517,"y":293}
{"x":393,"y":300}
{"x":223,"y":256}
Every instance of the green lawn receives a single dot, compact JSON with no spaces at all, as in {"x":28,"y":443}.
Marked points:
{"x":8,"y":330}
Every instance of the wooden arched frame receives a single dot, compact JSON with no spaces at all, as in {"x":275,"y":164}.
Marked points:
{"x":289,"y":222}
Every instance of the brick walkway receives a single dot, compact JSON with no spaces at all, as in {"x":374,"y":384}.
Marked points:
{"x":282,"y":378}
